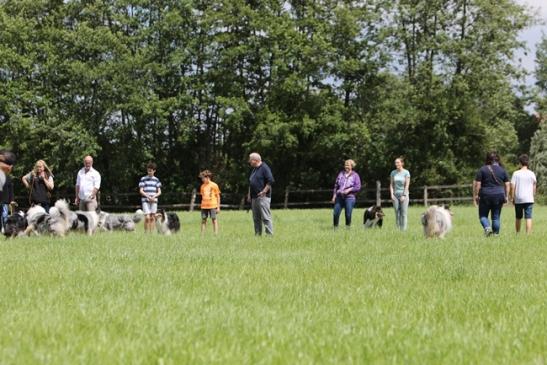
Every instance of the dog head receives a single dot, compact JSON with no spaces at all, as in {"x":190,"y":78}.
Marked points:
{"x":378,"y":212}
{"x":15,"y":225}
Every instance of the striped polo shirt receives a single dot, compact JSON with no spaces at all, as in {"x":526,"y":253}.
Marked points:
{"x":150,"y":185}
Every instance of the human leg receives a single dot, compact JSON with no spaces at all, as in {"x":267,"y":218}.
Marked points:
{"x":396,"y":207}
{"x":403,"y":211}
{"x":496,"y":215}
{"x":348,"y":209}
{"x":336,"y":211}
{"x":257,"y":217}
{"x":266,"y":214}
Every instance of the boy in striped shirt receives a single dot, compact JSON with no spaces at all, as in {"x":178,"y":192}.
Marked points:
{"x":150,"y":190}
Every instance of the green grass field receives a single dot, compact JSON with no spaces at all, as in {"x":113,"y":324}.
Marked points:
{"x":308,"y":295}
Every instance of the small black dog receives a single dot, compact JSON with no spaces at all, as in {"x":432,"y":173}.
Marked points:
{"x":167,"y":222}
{"x":373,"y":217}
{"x":15,"y":225}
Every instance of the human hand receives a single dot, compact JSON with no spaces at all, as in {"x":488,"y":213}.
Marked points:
{"x":333,"y":200}
{"x":248,"y":198}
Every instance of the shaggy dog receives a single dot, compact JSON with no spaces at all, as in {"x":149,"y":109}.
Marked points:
{"x":15,"y":225}
{"x":373,"y":217}
{"x":121,"y":222}
{"x":57,"y":222}
{"x":86,"y":221}
{"x":437,"y":221}
{"x":167,"y":222}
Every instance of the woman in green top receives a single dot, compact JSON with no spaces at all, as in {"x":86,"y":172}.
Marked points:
{"x":399,"y":183}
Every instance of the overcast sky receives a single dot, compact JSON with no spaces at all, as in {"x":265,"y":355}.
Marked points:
{"x":532,"y":36}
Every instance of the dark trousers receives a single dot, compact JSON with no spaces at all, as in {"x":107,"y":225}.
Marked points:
{"x":491,"y":205}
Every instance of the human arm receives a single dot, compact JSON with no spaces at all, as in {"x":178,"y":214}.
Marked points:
{"x":25,"y":179}
{"x":391,"y":192}
{"x":507,"y":190}
{"x":265,"y":190}
{"x":49,"y":183}
{"x":406,"y":188}
{"x":335,"y":189}
{"x":476,"y":189}
{"x":356,"y":186}
{"x":77,"y":189}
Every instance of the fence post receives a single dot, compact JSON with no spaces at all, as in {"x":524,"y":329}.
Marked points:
{"x":425,"y":195}
{"x":193,"y":199}
{"x":378,"y":193}
{"x":286,"y":201}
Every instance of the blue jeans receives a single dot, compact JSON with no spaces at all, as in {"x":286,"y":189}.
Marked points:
{"x":401,"y":211}
{"x":347,"y":204}
{"x":491,"y":205}
{"x":4,"y":210}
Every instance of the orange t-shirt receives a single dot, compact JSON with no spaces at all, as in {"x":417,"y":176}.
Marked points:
{"x":210,"y":194}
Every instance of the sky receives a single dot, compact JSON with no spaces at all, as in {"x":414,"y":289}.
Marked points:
{"x":532,"y":36}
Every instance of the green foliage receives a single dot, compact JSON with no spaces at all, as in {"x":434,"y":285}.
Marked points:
{"x":200,"y":84}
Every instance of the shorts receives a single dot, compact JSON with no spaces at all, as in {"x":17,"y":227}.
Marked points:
{"x":149,"y":208}
{"x":209,"y":213}
{"x":523,"y":209}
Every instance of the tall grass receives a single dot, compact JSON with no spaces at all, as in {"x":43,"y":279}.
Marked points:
{"x":307,"y":295}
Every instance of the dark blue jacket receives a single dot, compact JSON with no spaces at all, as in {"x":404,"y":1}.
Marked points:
{"x":492,"y":182}
{"x":261,"y":176}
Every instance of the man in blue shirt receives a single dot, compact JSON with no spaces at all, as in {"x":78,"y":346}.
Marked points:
{"x":260,"y":193}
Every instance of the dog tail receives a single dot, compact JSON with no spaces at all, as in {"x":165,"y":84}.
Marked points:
{"x":137,"y":217}
{"x":64,"y":211}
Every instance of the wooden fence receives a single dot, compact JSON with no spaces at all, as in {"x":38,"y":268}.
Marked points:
{"x":291,"y":198}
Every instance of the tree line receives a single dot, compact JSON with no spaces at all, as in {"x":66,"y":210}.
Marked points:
{"x":194,"y":84}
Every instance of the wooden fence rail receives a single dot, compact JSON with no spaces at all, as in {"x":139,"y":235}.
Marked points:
{"x":297,"y":198}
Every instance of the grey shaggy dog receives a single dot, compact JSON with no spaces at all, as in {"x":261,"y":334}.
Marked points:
{"x":437,"y":221}
{"x":119,"y":222}
{"x":56,"y":223}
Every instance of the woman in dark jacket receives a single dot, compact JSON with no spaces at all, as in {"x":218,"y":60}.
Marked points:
{"x":40,"y":183}
{"x":490,"y":191}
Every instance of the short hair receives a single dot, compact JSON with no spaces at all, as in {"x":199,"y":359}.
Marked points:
{"x":492,"y":157}
{"x":351,"y":162}
{"x":255,"y":156}
{"x":524,"y":159}
{"x":151,"y":165}
{"x":206,"y":173}
{"x":7,"y":157}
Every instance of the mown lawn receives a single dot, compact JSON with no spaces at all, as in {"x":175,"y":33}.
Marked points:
{"x":308,"y":295}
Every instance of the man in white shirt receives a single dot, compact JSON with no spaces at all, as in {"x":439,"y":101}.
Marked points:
{"x":88,"y":184}
{"x":523,"y":190}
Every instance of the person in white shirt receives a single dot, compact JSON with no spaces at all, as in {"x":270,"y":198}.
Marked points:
{"x":88,"y":184}
{"x":523,"y":190}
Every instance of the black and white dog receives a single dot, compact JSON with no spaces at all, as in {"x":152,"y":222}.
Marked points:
{"x":373,"y":217}
{"x":85,"y":221}
{"x":57,"y":222}
{"x":167,"y":222}
{"x":15,"y":225}
{"x":437,"y":221}
{"x":119,"y":222}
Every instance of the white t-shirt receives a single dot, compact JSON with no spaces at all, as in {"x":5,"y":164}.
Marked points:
{"x":87,"y":182}
{"x":523,"y":182}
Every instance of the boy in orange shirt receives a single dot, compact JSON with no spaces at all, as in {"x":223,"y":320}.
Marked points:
{"x":210,"y":200}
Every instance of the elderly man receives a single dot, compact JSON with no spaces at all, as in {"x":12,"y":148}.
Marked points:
{"x":260,"y":193}
{"x":88,"y":184}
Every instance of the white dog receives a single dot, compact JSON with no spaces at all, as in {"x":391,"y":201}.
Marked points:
{"x":437,"y":221}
